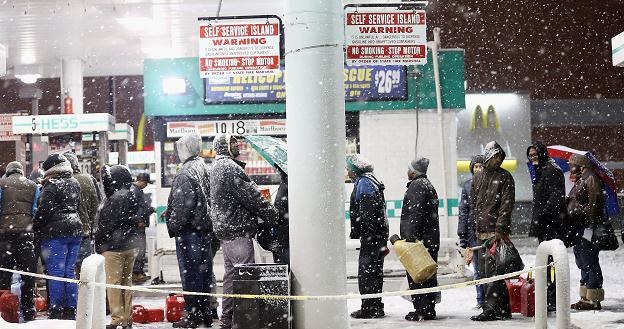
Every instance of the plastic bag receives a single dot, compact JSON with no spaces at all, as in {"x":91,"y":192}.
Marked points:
{"x":506,"y":256}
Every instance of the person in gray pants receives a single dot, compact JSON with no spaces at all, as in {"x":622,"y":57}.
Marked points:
{"x":236,"y":205}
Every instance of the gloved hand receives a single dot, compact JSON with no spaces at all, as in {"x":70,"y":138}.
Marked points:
{"x":468,"y":255}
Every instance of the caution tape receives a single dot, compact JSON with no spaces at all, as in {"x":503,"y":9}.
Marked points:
{"x":280,"y":297}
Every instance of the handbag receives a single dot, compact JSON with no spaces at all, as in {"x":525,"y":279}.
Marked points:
{"x":506,"y":256}
{"x":603,"y":236}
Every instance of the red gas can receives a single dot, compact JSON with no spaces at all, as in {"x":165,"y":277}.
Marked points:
{"x":139,"y":314}
{"x":155,"y":315}
{"x":174,"y":307}
{"x":41,"y":304}
{"x":527,"y":298}
{"x":9,"y":307}
{"x":513,"y":288}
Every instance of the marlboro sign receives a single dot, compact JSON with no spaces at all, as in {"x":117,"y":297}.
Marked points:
{"x":385,"y":36}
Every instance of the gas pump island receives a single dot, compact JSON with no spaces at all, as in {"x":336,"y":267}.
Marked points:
{"x":101,"y":123}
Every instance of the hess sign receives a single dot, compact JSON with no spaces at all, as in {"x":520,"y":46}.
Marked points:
{"x":385,"y":36}
{"x":236,"y":47}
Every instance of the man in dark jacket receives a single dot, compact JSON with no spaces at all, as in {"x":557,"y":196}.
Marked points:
{"x":188,"y":221}
{"x":367,"y":210}
{"x":586,"y":204}
{"x":466,"y":225}
{"x":419,"y":221}
{"x":281,"y":254}
{"x":116,"y":240}
{"x":145,"y":210}
{"x":18,"y":205}
{"x":493,"y":199}
{"x":89,"y":201}
{"x":549,"y":206}
{"x":57,"y":225}
{"x":236,"y":206}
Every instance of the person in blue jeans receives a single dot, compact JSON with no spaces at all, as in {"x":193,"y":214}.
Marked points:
{"x":57,"y":225}
{"x":466,"y":225}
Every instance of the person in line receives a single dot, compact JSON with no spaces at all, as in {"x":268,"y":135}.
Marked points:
{"x":57,"y":225}
{"x":466,"y":226}
{"x":236,"y":206}
{"x":419,"y":221}
{"x":281,"y":252}
{"x":367,"y":210}
{"x":89,"y":202}
{"x":549,"y":206}
{"x":145,"y":210}
{"x":116,"y":240}
{"x":493,"y":199}
{"x":189,"y":222}
{"x":18,"y":206}
{"x":586,"y":208}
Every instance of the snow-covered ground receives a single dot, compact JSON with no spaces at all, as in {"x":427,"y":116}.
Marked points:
{"x":457,"y":305}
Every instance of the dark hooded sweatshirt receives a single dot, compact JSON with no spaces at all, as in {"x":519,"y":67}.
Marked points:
{"x":367,"y":208}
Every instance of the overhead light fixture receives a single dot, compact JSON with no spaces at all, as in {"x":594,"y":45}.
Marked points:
{"x":174,"y":86}
{"x":28,"y":78}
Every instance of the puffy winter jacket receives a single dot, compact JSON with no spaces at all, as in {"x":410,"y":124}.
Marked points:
{"x":118,"y":219}
{"x":188,"y":207}
{"x":549,"y":203}
{"x":466,"y":225}
{"x":367,"y":208}
{"x":89,"y":195}
{"x":419,"y":215}
{"x":59,"y":201}
{"x":492,"y":200}
{"x":236,"y":203}
{"x":18,"y":200}
{"x":586,"y":200}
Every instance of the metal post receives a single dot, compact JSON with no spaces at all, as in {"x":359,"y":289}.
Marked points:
{"x":34,"y":94}
{"x":557,"y":249}
{"x":123,"y":152}
{"x":315,"y":113}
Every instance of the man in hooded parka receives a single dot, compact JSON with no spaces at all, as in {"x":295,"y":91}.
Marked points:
{"x":18,"y":205}
{"x":189,"y":222}
{"x":236,"y":206}
{"x":549,"y":206}
{"x":493,"y":200}
{"x":89,"y":201}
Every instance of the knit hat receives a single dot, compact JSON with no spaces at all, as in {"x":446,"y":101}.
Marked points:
{"x":491,"y":149}
{"x":419,"y":165}
{"x":476,"y":159}
{"x":575,"y":159}
{"x":14,"y":167}
{"x":53,"y":160}
{"x":73,"y":160}
{"x":358,"y":164}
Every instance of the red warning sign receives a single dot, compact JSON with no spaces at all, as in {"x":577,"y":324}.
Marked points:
{"x":385,"y":36}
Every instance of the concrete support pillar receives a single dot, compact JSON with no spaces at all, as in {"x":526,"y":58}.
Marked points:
{"x":315,"y":113}
{"x":71,"y":83}
{"x":103,"y":148}
{"x":123,"y":152}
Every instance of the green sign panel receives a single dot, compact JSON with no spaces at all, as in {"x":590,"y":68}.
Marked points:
{"x":173,"y":88}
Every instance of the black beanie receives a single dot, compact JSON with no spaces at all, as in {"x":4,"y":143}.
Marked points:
{"x":53,"y":160}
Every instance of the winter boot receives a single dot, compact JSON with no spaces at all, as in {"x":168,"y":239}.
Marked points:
{"x":187,"y":323}
{"x":592,"y":301}
{"x":368,"y":313}
{"x":55,"y":313}
{"x":28,"y":315}
{"x":583,"y":300}
{"x":69,"y":313}
{"x":490,"y":316}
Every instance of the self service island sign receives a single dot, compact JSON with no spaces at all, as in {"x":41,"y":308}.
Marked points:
{"x":376,"y":35}
{"x":238,"y":47}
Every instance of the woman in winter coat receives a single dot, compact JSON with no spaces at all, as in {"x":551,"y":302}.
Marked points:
{"x":58,"y":227}
{"x":116,"y":239}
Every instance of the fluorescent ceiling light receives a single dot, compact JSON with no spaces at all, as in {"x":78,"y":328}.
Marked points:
{"x":174,"y":86}
{"x":28,"y":78}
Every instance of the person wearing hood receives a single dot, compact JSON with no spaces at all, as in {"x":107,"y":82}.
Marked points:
{"x":18,"y":206}
{"x":57,"y":225}
{"x":36,"y":175}
{"x":188,"y":221}
{"x":367,"y":210}
{"x":466,"y":225}
{"x":116,"y":239}
{"x":89,"y":203}
{"x":237,"y":204}
{"x":419,"y":221}
{"x":549,"y":206}
{"x":585,"y":206}
{"x":492,"y":201}
{"x":145,"y":211}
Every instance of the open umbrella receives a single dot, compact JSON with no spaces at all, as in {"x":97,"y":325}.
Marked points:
{"x":561,"y":154}
{"x":272,"y":149}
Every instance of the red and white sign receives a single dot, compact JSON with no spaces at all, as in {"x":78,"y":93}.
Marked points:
{"x":385,"y":36}
{"x":233,"y":48}
{"x":6,"y":127}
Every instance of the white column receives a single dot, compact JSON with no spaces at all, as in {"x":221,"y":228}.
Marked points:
{"x":315,"y":114}
{"x":71,"y":82}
